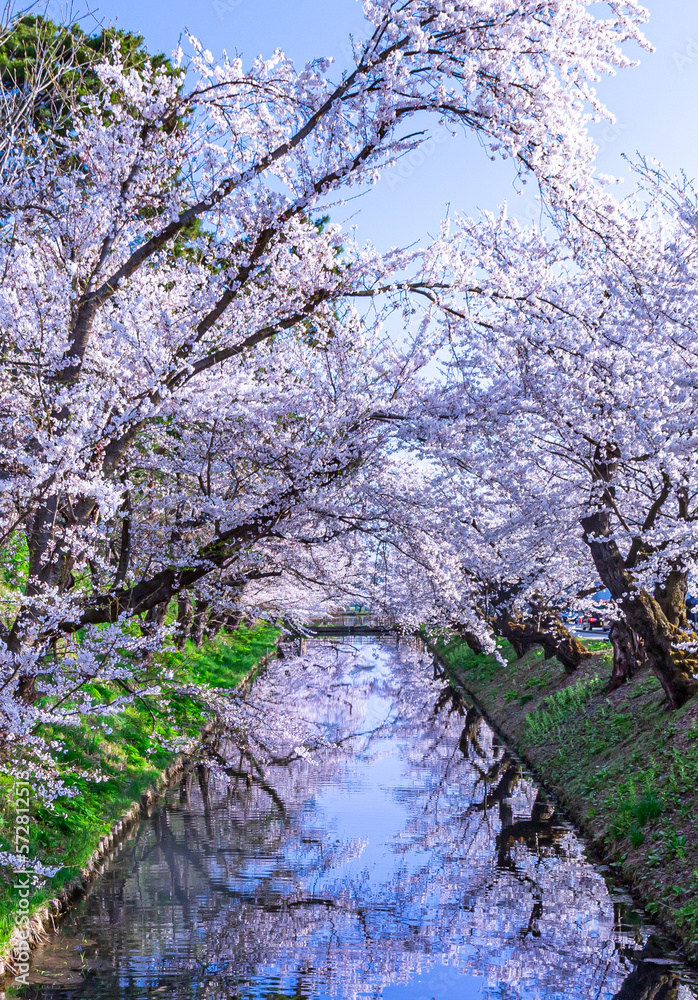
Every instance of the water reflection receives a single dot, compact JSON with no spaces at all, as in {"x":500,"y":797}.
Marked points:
{"x":413,"y":861}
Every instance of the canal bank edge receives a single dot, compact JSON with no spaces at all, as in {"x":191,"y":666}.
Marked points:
{"x":622,"y":766}
{"x":43,"y":920}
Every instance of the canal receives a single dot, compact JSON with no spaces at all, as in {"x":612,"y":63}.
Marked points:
{"x":410,"y":858}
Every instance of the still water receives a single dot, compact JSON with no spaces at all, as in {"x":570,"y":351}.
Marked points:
{"x":412,"y":860}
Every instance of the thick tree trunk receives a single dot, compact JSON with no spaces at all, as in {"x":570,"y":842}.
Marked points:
{"x":233,"y":621}
{"x":156,"y":615}
{"x":153,"y":620}
{"x":675,"y":668}
{"x":199,"y":624}
{"x":546,"y":630}
{"x":516,"y":633}
{"x":214,"y":624}
{"x":26,"y":688}
{"x":671,"y":597}
{"x":470,"y":639}
{"x":628,"y":654}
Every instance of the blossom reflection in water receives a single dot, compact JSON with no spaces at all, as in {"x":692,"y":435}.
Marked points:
{"x":410,"y":858}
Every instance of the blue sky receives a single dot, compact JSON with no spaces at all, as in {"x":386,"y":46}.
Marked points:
{"x":656,"y":104}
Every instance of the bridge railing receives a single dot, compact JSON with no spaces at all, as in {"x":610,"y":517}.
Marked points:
{"x":354,"y":620}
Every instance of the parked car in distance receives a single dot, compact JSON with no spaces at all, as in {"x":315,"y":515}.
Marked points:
{"x":594,"y":621}
{"x":584,"y":621}
{"x":573,"y":618}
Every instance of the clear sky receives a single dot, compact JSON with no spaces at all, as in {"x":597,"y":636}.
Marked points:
{"x":656,"y":104}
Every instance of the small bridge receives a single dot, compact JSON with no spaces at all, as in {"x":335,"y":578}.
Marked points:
{"x":348,"y":625}
{"x":339,"y":626}
{"x":339,"y":630}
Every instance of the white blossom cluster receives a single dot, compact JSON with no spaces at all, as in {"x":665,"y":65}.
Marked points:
{"x":200,"y":393}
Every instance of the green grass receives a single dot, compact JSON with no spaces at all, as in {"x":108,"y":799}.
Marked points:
{"x":130,"y":758}
{"x":481,"y":668}
{"x":633,"y":811}
{"x":557,"y":709}
{"x":597,"y":645}
{"x":623,"y":765}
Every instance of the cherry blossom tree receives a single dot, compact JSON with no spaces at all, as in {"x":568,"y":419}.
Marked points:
{"x":572,"y":385}
{"x":432,"y":544}
{"x":184,"y":366}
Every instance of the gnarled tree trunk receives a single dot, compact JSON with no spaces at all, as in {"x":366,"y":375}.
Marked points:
{"x":628,"y":653}
{"x":471,"y":640}
{"x":233,"y":621}
{"x":546,"y":630}
{"x":156,"y":615}
{"x":677,"y":669}
{"x":199,"y":623}
{"x":671,"y":597}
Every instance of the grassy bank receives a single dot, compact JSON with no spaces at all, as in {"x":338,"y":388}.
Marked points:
{"x":129,"y":751}
{"x":624,"y":766}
